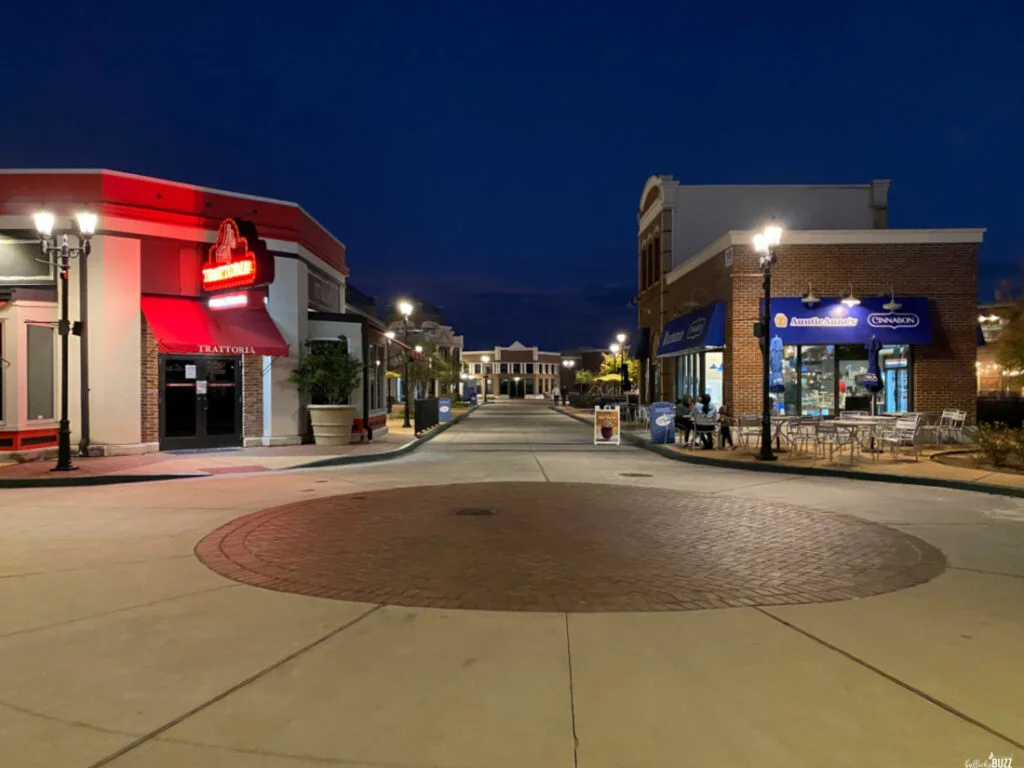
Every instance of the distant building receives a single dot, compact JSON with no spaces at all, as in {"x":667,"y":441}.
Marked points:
{"x":583,"y":359}
{"x":515,"y":371}
{"x":425,"y":328}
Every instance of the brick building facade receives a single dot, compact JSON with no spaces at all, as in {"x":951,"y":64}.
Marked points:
{"x":939,"y":266}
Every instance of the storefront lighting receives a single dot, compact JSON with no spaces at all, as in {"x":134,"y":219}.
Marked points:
{"x":849,"y":299}
{"x":229,"y":301}
{"x":418,"y":349}
{"x":892,"y":305}
{"x":809,"y":299}
{"x":390,"y":335}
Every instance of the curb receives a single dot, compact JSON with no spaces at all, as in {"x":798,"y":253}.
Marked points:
{"x":845,"y":474}
{"x":82,"y":481}
{"x":87,"y":480}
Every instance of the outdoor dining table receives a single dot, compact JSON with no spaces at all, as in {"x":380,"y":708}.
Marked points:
{"x":778,"y":423}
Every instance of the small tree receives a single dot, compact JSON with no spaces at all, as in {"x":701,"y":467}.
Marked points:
{"x":610,"y":364}
{"x":585,"y":378}
{"x":327,"y":373}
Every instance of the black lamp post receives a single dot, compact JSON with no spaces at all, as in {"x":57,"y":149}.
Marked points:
{"x":487,"y":365}
{"x":765,"y":243}
{"x":621,"y":339}
{"x":57,"y":251}
{"x":406,"y":309}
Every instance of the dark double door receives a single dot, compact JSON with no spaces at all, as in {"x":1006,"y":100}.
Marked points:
{"x":200,"y":402}
{"x":513,"y":388}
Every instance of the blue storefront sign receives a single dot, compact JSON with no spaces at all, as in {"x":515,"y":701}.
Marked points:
{"x":696,"y":330}
{"x":469,"y":391}
{"x":444,"y":409}
{"x":832,"y":322}
{"x":663,"y":423}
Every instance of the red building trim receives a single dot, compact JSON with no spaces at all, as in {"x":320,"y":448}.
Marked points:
{"x":28,"y":439}
{"x":141,"y":198}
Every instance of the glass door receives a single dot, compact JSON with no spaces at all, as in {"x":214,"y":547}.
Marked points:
{"x":200,"y":402}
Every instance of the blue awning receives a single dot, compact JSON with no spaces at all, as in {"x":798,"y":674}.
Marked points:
{"x":831,"y":322}
{"x":702,"y":329}
{"x":641,"y":346}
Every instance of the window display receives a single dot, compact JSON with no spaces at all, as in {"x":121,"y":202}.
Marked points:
{"x":818,"y":380}
{"x":788,"y":402}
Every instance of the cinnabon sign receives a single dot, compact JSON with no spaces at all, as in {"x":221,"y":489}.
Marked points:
{"x":239,"y":259}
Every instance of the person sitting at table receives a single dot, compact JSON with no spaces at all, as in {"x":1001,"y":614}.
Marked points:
{"x":705,"y":415}
{"x":684,"y":417}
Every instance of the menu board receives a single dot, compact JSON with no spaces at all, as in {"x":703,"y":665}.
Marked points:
{"x":607,"y":426}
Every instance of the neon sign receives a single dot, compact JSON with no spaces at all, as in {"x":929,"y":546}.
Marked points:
{"x":238,"y":259}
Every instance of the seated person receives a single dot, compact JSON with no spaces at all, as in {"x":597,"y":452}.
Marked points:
{"x":705,"y":416}
{"x":684,"y":418}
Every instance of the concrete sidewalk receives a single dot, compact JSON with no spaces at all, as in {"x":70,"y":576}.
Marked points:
{"x":118,"y":647}
{"x":926,"y":470}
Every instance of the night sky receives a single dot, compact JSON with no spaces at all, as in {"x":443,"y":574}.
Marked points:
{"x":489,"y":156}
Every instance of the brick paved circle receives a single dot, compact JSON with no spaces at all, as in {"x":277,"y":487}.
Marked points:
{"x":565,"y":547}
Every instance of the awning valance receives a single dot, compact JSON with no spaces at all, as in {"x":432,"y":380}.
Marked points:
{"x":188,"y":327}
{"x":696,"y":330}
{"x":831,"y":322}
{"x":640,"y":349}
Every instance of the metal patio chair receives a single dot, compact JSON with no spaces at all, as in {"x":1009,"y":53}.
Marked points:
{"x":905,"y":432}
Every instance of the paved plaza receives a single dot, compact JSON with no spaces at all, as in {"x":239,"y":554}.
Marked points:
{"x":510,"y":595}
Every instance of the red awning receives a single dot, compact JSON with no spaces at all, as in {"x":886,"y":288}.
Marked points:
{"x":188,"y":327}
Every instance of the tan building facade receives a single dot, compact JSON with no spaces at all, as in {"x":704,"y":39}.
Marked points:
{"x":515,"y":371}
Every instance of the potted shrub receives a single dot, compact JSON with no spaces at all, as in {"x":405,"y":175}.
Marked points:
{"x":329,"y":376}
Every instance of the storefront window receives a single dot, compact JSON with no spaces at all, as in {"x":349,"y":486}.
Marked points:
{"x":818,"y":380}
{"x":529,"y":387}
{"x":713,"y":362}
{"x":40,"y":372}
{"x":853,"y":366}
{"x":788,"y":402}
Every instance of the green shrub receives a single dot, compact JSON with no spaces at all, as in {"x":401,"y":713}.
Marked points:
{"x":998,"y":442}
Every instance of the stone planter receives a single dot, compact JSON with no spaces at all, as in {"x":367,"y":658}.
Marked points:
{"x":332,"y":424}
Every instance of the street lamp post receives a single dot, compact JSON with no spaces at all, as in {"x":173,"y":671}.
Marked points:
{"x":621,"y":338}
{"x":487,"y":361}
{"x":59,"y":253}
{"x":764,"y":244}
{"x":405,"y":308}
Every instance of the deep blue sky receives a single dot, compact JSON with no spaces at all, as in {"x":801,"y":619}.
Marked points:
{"x":488,"y":156}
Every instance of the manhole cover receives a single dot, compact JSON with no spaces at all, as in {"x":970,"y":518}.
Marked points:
{"x":474,"y":512}
{"x":634,"y":474}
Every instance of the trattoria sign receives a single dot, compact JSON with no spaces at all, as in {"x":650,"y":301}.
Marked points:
{"x":238,"y":259}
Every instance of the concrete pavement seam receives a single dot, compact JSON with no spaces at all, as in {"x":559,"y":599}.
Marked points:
{"x":291,"y":756}
{"x":232,"y":689}
{"x":111,"y":612}
{"x":116,"y":564}
{"x":572,"y":698}
{"x":893,"y":679}
{"x":844,"y":474}
{"x":987,"y":573}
